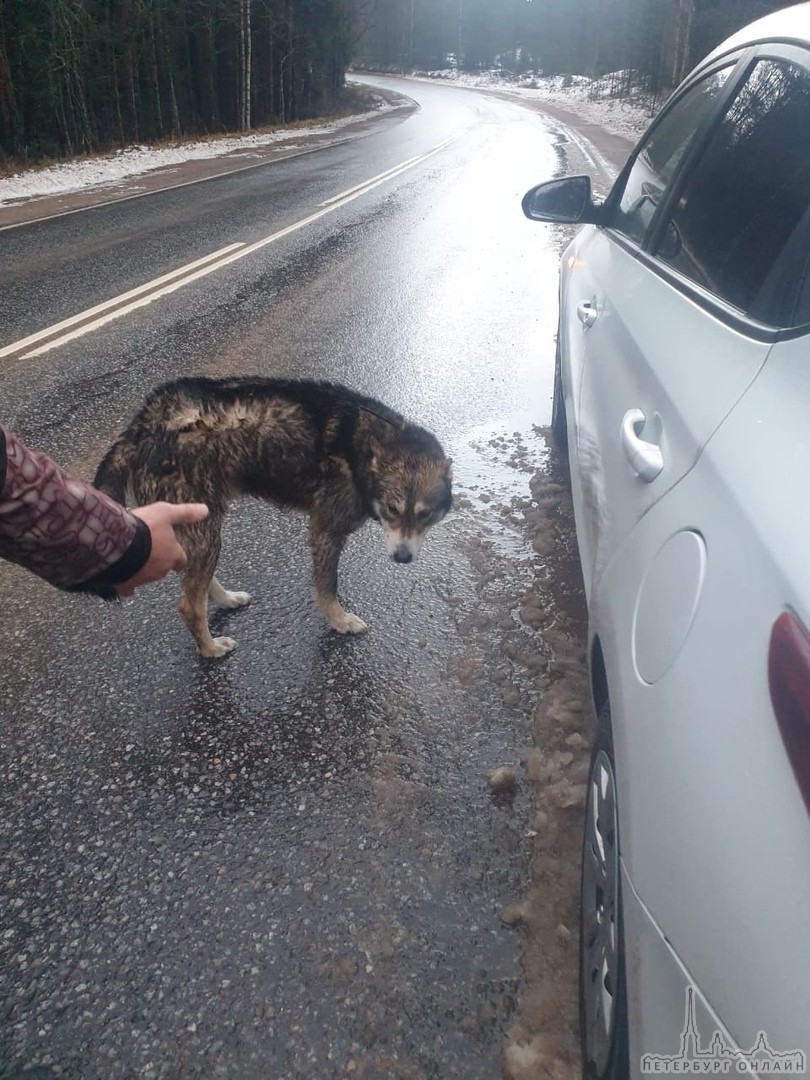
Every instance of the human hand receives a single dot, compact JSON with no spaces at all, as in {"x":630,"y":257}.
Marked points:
{"x":166,"y":554}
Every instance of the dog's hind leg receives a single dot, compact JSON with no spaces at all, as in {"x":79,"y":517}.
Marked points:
{"x":326,"y":548}
{"x":202,"y":545}
{"x":224,"y":597}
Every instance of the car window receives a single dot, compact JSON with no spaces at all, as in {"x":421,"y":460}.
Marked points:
{"x":660,"y":154}
{"x":740,"y":226}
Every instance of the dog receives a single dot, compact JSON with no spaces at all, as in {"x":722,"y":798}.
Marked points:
{"x":315,"y":446}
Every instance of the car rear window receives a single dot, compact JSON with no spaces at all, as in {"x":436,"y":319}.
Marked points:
{"x":740,"y":226}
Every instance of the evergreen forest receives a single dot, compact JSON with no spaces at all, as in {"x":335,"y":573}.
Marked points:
{"x":658,"y":41}
{"x":80,"y":76}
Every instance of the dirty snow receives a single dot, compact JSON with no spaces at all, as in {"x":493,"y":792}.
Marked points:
{"x":136,"y":160}
{"x":590,"y":99}
{"x":593,"y":100}
{"x":515,"y":523}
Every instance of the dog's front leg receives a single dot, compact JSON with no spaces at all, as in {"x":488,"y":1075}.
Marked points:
{"x":326,"y":548}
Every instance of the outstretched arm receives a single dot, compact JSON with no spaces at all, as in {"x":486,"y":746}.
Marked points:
{"x":76,"y":537}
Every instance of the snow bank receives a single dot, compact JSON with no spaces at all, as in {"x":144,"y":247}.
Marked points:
{"x":135,"y":160}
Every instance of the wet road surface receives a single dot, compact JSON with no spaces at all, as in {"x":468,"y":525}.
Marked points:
{"x":289,"y":863}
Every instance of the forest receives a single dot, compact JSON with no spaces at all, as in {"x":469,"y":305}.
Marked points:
{"x":80,"y":76}
{"x":657,"y":40}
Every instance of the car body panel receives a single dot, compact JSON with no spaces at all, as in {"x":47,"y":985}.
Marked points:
{"x":713,"y":829}
{"x":715,"y":834}
{"x":663,"y":985}
{"x":791,"y":24}
{"x":616,"y":364}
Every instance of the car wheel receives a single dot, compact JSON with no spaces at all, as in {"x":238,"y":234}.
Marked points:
{"x":602,"y":990}
{"x":559,"y":423}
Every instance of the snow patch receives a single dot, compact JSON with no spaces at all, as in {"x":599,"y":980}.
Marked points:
{"x":612,"y":101}
{"x":136,"y":160}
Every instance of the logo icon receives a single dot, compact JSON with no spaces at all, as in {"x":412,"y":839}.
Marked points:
{"x":719,"y":1058}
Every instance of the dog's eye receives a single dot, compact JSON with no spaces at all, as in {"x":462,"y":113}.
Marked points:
{"x":392,"y":510}
{"x":423,"y":515}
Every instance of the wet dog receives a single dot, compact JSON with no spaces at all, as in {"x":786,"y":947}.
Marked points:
{"x":315,"y":446}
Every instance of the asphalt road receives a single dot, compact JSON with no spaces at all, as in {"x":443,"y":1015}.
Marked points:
{"x":287,"y":863}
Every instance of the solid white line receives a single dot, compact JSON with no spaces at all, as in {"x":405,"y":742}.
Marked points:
{"x":49,"y":331}
{"x":381,"y":176}
{"x":360,"y":189}
{"x":201,"y":268}
{"x":173,"y":187}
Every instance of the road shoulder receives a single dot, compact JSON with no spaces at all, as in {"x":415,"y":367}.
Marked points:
{"x":199,"y":170}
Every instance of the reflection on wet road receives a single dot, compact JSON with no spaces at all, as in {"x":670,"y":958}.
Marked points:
{"x":289,"y":863}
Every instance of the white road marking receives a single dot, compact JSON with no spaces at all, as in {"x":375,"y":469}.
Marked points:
{"x":378,"y":179}
{"x":49,"y":331}
{"x":173,"y":187}
{"x":84,"y":322}
{"x":592,"y":154}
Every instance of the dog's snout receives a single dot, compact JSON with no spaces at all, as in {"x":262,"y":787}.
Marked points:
{"x":402,"y":549}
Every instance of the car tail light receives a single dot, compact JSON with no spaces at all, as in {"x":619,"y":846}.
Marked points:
{"x":789,"y":682}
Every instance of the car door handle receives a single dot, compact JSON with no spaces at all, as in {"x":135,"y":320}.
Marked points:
{"x":587,"y":312}
{"x":645,"y":457}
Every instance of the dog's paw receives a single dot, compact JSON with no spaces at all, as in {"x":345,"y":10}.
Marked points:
{"x":346,"y":623}
{"x":220,"y":646}
{"x":224,"y":598}
{"x":235,"y":599}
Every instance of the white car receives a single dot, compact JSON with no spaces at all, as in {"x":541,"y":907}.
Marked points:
{"x":683,"y":397}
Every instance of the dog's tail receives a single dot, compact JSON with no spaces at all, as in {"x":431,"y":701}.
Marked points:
{"x":114,"y":474}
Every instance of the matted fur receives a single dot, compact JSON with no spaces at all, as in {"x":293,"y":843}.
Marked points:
{"x":315,"y":446}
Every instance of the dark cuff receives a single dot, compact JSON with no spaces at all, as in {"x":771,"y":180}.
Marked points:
{"x":133,"y":559}
{"x":3,"y":461}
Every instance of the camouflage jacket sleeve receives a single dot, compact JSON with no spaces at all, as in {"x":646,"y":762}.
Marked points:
{"x":62,"y":529}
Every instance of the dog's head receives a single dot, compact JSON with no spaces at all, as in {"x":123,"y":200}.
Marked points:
{"x":412,"y":491}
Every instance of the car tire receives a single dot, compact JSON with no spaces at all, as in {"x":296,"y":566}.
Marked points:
{"x":559,"y":422}
{"x":602,"y":986}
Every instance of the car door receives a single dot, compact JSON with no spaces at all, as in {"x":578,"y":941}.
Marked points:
{"x":655,"y":359}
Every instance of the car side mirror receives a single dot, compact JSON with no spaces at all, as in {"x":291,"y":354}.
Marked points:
{"x":562,"y":202}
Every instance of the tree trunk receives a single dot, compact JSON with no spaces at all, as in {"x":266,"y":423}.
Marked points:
{"x":247,"y":52}
{"x":683,"y":40}
{"x":8,"y":104}
{"x":153,"y":56}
